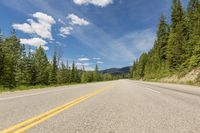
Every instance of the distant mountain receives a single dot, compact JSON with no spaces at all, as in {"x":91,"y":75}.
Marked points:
{"x":116,"y":71}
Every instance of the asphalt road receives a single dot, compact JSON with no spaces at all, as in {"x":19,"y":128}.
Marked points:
{"x":122,"y":106}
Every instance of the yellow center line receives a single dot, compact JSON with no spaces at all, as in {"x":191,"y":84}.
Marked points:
{"x":27,"y":124}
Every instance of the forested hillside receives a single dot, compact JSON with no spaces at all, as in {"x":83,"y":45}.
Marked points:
{"x":177,"y":48}
{"x":117,"y":71}
{"x":20,"y":66}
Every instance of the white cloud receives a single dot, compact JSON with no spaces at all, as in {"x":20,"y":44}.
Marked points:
{"x":100,"y":62}
{"x":83,"y":59}
{"x":36,"y":42}
{"x":58,"y":43}
{"x":79,"y":64}
{"x":82,"y":64}
{"x":32,"y":50}
{"x":64,"y":31}
{"x":88,"y":68}
{"x":75,"y":20}
{"x":61,"y":21}
{"x":96,"y":58}
{"x":41,"y":29}
{"x":44,"y":18}
{"x":45,"y":47}
{"x":24,"y":27}
{"x":101,"y":3}
{"x":42,"y":26}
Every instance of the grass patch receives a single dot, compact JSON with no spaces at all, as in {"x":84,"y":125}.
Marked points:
{"x":27,"y":87}
{"x":193,"y":83}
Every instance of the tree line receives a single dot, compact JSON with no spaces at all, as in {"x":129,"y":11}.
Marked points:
{"x":20,"y":66}
{"x":177,"y":47}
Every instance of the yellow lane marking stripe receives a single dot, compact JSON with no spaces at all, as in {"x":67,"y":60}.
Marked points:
{"x":23,"y":126}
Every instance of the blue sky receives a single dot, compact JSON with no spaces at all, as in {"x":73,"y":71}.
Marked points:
{"x":111,"y":33}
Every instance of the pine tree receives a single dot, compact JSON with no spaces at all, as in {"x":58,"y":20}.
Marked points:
{"x":177,"y":37}
{"x":177,"y":14}
{"x":21,"y":67}
{"x":11,"y":50}
{"x":132,"y":69}
{"x":193,"y":43}
{"x":54,"y":70}
{"x":29,"y":71}
{"x":142,"y":64}
{"x":68,"y":73}
{"x":1,"y":57}
{"x":96,"y":76}
{"x":84,"y":77}
{"x":161,"y":48}
{"x":33,"y":66}
{"x":156,"y":63}
{"x":72,"y":74}
{"x":62,"y":74}
{"x":139,"y":67}
{"x":193,"y":13}
{"x":107,"y":77}
{"x":153,"y":64}
{"x":162,"y":38}
{"x":90,"y":76}
{"x":76,"y":75}
{"x":41,"y":66}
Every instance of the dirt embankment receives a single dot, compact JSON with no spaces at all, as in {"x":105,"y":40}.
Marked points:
{"x":192,"y":77}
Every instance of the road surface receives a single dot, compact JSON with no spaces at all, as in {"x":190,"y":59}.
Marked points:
{"x":122,"y":106}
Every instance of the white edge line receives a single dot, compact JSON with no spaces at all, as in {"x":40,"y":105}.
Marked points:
{"x":153,"y":90}
{"x":26,"y":95}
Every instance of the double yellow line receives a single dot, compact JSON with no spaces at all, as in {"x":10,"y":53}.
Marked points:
{"x":27,"y":124}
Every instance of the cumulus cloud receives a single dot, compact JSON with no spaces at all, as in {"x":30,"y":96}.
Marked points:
{"x":36,"y":42}
{"x":83,"y":59}
{"x":44,"y":18}
{"x":64,"y":31}
{"x":41,"y":27}
{"x":24,"y":27}
{"x":100,"y":3}
{"x":75,"y":20}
